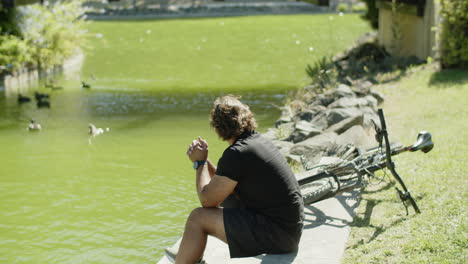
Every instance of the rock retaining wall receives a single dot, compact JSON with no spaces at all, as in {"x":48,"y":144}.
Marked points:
{"x":327,"y":124}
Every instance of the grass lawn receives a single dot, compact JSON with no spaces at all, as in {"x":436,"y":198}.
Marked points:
{"x":229,"y":54}
{"x":381,"y":232}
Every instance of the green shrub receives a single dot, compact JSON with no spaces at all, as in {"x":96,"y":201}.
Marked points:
{"x":372,"y":14}
{"x":342,"y":7}
{"x":14,"y":53}
{"x":454,"y":35}
{"x":359,"y":7}
{"x":52,"y":33}
{"x":45,"y":35}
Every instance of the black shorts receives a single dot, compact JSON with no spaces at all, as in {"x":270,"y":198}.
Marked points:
{"x":250,"y":234}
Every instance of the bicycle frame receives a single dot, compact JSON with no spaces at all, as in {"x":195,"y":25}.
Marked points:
{"x":424,"y":143}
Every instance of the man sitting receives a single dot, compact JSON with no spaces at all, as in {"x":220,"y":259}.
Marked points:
{"x":262,"y":207}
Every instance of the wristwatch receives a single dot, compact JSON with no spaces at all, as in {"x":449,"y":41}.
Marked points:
{"x":198,"y":163}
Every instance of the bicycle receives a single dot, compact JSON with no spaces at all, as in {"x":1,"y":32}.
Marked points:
{"x":355,"y":168}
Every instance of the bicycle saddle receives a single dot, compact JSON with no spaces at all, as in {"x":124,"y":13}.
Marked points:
{"x":423,"y":142}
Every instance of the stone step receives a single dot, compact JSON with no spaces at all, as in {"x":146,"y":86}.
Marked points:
{"x":323,"y":241}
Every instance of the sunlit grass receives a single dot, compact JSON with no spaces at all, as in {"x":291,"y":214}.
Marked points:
{"x":436,"y":102}
{"x":229,"y":54}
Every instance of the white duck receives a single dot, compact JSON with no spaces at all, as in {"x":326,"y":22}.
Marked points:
{"x":94,"y":131}
{"x":33,"y":126}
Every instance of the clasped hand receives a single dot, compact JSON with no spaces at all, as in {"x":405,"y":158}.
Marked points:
{"x":198,"y":150}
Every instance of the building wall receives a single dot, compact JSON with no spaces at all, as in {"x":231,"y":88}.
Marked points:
{"x":407,"y":34}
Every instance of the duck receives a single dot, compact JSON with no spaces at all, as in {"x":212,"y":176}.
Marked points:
{"x":85,"y":85}
{"x":94,"y":131}
{"x":23,"y":99}
{"x":43,"y":103}
{"x":33,"y":126}
{"x":40,"y":96}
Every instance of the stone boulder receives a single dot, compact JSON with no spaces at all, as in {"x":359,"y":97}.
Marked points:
{"x":343,"y":90}
{"x":347,"y":102}
{"x":284,"y":130}
{"x":358,"y":136}
{"x":320,"y":120}
{"x":313,"y":148}
{"x":345,"y":124}
{"x":270,"y":133}
{"x":286,"y":116}
{"x":378,"y":96}
{"x":303,"y":130}
{"x":283,"y":146}
{"x":336,"y":115}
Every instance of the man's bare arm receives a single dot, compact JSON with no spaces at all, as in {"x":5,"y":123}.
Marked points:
{"x":211,"y":168}
{"x":212,"y":190}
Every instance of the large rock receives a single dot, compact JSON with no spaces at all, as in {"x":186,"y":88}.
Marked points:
{"x":377,"y":96}
{"x":371,"y":101}
{"x":284,"y":130}
{"x":357,"y":136}
{"x":313,"y":148}
{"x":286,"y":116}
{"x":305,"y":115}
{"x":302,"y":131}
{"x":283,"y":146}
{"x":309,"y":113}
{"x":320,"y":120}
{"x":270,"y":133}
{"x":343,"y":90}
{"x":347,"y":102}
{"x":323,"y":100}
{"x":343,"y":125}
{"x":338,"y":114}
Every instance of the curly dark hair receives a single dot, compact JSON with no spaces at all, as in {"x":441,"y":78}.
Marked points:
{"x":230,"y":117}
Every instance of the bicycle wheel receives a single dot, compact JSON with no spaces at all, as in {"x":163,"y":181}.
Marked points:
{"x":316,"y":190}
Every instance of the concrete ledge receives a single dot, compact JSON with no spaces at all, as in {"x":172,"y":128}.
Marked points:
{"x":26,"y":78}
{"x":325,"y":234}
{"x":225,"y":9}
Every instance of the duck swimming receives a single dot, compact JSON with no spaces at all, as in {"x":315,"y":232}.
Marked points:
{"x":40,"y":96}
{"x":43,"y":103}
{"x":94,"y":131}
{"x":23,"y":99}
{"x":85,"y":85}
{"x":33,"y":126}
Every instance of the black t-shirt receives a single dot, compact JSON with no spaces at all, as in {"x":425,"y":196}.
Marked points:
{"x":266,"y":183}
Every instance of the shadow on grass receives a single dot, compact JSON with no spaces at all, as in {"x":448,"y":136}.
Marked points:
{"x":387,"y":186}
{"x":446,"y":78}
{"x":365,"y":220}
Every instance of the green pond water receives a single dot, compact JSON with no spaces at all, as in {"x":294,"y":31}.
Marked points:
{"x":123,"y":196}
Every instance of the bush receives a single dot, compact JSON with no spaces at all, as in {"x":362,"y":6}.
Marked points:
{"x":14,"y":53}
{"x":53,"y":33}
{"x":342,"y":7}
{"x":47,"y":35}
{"x":454,"y":35}
{"x":359,"y":7}
{"x":372,"y":14}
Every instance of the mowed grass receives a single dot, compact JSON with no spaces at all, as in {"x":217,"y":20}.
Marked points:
{"x":229,"y":54}
{"x":382,"y":232}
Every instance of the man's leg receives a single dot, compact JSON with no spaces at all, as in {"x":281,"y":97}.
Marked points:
{"x":201,"y":223}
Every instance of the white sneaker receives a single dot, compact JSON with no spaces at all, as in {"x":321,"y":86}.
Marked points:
{"x":171,"y":255}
